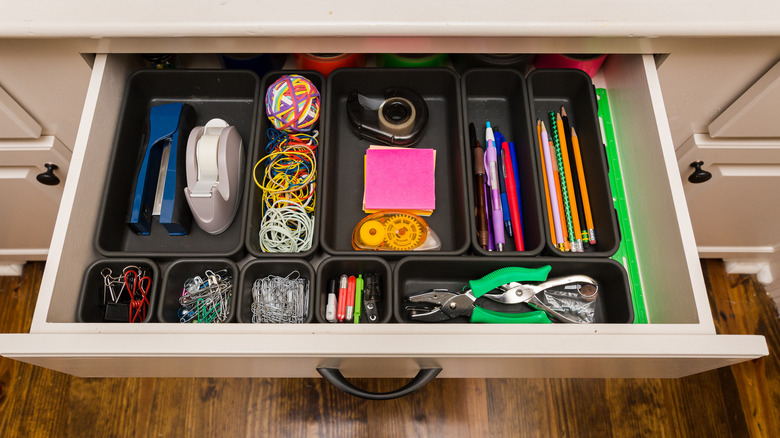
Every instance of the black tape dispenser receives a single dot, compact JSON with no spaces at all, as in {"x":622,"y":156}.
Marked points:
{"x":397,"y":120}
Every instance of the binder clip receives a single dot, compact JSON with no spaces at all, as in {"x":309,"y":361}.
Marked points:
{"x":372,"y":296}
{"x":215,"y":161}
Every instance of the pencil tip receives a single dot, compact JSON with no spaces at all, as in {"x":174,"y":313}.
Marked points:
{"x":563,"y":111}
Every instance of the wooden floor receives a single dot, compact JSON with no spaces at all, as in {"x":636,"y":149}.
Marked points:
{"x":743,"y":400}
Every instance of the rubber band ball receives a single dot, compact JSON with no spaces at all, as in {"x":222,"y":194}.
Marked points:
{"x":292,"y":104}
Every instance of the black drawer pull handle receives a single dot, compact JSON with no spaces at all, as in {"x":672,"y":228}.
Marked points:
{"x":699,"y":175}
{"x":48,"y":177}
{"x":334,"y":376}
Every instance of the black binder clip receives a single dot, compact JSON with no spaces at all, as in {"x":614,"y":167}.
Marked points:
{"x":372,"y":295}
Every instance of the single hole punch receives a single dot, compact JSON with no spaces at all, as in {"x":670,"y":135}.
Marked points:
{"x":397,"y":120}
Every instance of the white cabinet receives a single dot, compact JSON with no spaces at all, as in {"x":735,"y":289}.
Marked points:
{"x":14,"y":120}
{"x":680,"y":339}
{"x":732,"y":210}
{"x":735,"y":213}
{"x":30,"y":207}
{"x":42,"y":89}
{"x":721,"y":99}
{"x":754,"y":114}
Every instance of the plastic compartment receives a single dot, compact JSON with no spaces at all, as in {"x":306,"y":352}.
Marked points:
{"x":411,"y":60}
{"x":342,"y":194}
{"x":260,"y":63}
{"x":500,"y":96}
{"x":91,"y":308}
{"x":417,"y":274}
{"x":173,"y":283}
{"x":229,"y":95}
{"x":255,"y":213}
{"x":573,"y":89}
{"x":260,"y":268}
{"x":465,"y":61}
{"x":327,"y":62}
{"x":589,"y":63}
{"x":334,"y":267}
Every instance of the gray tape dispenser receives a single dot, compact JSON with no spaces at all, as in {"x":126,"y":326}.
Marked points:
{"x":215,"y":163}
{"x":397,"y":120}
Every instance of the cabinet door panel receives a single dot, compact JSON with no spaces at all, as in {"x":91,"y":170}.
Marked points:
{"x":754,"y":113}
{"x":739,"y":206}
{"x":14,"y":120}
{"x":28,"y":222}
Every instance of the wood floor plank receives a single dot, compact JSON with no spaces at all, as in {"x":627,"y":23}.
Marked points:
{"x":740,"y":305}
{"x":579,"y":407}
{"x":33,"y":400}
{"x":636,"y":408}
{"x":741,"y":400}
{"x":701,"y":405}
{"x":101,"y":407}
{"x":515,"y":408}
{"x":445,"y":407}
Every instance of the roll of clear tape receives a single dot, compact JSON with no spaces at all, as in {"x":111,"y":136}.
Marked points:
{"x":397,"y":127}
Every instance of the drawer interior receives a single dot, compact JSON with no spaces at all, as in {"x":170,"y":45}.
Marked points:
{"x":671,"y":278}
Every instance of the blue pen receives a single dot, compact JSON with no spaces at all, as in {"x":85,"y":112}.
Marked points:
{"x":504,"y":201}
{"x":513,"y":154}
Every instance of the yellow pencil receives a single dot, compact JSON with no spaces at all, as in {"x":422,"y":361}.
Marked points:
{"x":583,"y":187}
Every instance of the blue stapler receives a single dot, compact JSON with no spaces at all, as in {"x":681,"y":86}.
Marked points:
{"x":169,"y":125}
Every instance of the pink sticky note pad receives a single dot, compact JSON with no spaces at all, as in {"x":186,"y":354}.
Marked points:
{"x":400,"y":179}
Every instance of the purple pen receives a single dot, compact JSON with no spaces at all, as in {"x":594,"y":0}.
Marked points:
{"x":491,"y":161}
{"x":491,"y":244}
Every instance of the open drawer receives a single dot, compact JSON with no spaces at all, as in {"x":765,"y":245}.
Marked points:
{"x":679,"y":340}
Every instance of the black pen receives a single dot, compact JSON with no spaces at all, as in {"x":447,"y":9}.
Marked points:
{"x":480,"y":209}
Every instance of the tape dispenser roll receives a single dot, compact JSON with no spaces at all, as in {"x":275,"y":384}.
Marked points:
{"x":215,"y":162}
{"x":396,"y":116}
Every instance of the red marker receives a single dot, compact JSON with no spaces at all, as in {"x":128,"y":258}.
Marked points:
{"x":351,"y":282}
{"x":511,"y":194}
{"x":341,"y":312}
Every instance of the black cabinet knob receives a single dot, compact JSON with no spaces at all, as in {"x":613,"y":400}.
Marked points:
{"x":699,"y":175}
{"x":48,"y":177}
